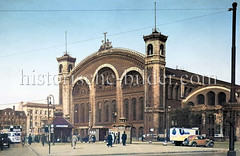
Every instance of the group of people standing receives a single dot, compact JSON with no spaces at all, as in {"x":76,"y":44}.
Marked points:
{"x":112,"y":138}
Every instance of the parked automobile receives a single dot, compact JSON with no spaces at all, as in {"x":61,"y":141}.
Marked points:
{"x":4,"y":141}
{"x":198,"y":140}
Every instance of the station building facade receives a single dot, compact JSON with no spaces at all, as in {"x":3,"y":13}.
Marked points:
{"x":118,"y":87}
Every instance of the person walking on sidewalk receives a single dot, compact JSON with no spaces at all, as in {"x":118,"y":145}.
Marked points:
{"x":43,"y":139}
{"x":30,"y":139}
{"x":124,"y":138}
{"x":74,"y":141}
{"x":109,"y":139}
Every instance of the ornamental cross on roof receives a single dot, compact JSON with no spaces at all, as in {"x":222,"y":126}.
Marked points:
{"x":106,"y":44}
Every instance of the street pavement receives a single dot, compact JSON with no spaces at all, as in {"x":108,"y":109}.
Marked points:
{"x":100,"y":149}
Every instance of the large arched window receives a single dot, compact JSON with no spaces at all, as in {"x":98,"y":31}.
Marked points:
{"x":221,"y":98}
{"x":211,"y":98}
{"x":150,"y":49}
{"x":60,"y":68}
{"x":162,"y":49}
{"x":105,"y":80}
{"x":126,"y":109}
{"x":134,"y":109}
{"x":69,"y":67}
{"x":141,"y":104}
{"x":200,"y":99}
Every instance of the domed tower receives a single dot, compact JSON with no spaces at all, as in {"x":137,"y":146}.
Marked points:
{"x":65,"y":65}
{"x":155,"y":44}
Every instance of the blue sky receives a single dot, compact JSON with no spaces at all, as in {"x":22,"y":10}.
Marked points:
{"x":201,"y":45}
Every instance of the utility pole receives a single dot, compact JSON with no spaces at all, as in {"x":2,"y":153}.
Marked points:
{"x":233,"y":100}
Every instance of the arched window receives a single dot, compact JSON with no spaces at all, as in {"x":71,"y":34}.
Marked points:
{"x":76,"y":114}
{"x":140,"y":132}
{"x":114,"y":106}
{"x":141,"y":104}
{"x":190,"y":103}
{"x":134,"y":109}
{"x":106,"y":112}
{"x":87,"y":113}
{"x":221,"y":98}
{"x":82,"y":113}
{"x":200,"y":99}
{"x":150,"y":49}
{"x":99,"y":114}
{"x":60,"y":68}
{"x":162,"y":50}
{"x":126,"y":109}
{"x":69,"y":67}
{"x":211,"y":119}
{"x":134,"y":133}
{"x":211,"y":98}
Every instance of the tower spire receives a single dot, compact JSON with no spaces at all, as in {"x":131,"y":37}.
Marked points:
{"x":66,"y":42}
{"x":155,"y":12}
{"x":105,"y":37}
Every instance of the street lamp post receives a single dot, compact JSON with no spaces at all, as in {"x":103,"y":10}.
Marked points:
{"x":49,"y":126}
{"x":233,"y":100}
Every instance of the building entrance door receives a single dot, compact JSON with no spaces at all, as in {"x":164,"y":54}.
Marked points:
{"x":102,"y":133}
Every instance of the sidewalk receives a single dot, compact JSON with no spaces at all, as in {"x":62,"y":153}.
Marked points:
{"x":100,"y":148}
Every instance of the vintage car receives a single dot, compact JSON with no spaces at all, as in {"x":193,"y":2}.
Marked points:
{"x":198,"y":140}
{"x":4,"y":141}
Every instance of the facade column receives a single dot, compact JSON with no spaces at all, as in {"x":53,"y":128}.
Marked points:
{"x":119,"y":99}
{"x":92,"y":101}
{"x":71,"y":105}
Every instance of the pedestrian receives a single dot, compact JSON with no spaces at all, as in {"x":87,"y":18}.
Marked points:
{"x":116,"y":138}
{"x":74,"y":141}
{"x":124,"y":138}
{"x":43,"y":139}
{"x":109,"y":140}
{"x":23,"y":140}
{"x":113,"y":137}
{"x":30,"y":139}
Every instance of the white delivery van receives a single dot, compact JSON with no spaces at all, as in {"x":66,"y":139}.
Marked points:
{"x":179,"y":134}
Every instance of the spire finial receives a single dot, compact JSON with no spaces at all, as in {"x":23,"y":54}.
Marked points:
{"x":155,"y":12}
{"x":105,"y":37}
{"x":66,"y":42}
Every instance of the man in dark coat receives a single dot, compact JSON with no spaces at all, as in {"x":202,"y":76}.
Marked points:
{"x":109,"y":140}
{"x":30,"y":139}
{"x":124,"y":138}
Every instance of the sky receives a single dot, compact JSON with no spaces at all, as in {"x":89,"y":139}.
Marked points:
{"x":32,"y":36}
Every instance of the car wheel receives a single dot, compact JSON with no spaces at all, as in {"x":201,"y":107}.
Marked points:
{"x":211,"y":145}
{"x":194,"y":144}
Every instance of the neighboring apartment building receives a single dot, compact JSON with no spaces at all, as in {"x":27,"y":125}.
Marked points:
{"x":10,"y":117}
{"x":37,"y":115}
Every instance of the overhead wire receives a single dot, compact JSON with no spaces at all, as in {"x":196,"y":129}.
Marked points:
{"x":106,"y":10}
{"x":139,"y":29}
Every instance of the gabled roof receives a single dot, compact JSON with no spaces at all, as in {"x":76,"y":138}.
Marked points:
{"x":60,"y":122}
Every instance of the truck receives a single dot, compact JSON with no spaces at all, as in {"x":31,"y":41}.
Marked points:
{"x":178,"y":135}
